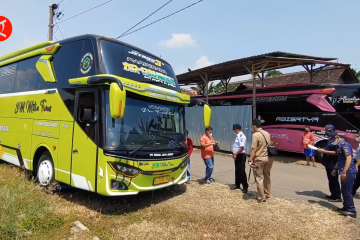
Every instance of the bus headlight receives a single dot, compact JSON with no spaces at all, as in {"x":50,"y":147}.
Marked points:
{"x":183,"y":164}
{"x":124,"y":169}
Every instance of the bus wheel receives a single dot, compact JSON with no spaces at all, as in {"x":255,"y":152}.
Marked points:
{"x":45,"y":170}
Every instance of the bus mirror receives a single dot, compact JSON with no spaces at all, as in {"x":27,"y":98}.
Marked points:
{"x":207,"y":115}
{"x":117,"y":100}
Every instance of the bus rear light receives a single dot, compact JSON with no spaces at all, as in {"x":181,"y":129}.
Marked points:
{"x":124,"y":169}
{"x":327,"y":90}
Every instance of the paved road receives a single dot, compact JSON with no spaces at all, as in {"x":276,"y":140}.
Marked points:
{"x":288,"y":179}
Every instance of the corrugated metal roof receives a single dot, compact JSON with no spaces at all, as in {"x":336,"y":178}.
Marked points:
{"x":239,"y":67}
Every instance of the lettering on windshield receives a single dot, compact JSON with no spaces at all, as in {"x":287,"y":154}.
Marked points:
{"x":149,"y":59}
{"x":144,"y":64}
{"x":158,"y":110}
{"x":149,"y":74}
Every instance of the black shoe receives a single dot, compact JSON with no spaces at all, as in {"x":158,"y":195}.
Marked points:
{"x":335,"y":200}
{"x":346,"y":213}
{"x":235,"y":187}
{"x":245,"y":190}
{"x":341,"y":209}
{"x":329,"y":197}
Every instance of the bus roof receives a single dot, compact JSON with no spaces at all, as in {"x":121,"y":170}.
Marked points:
{"x":280,"y":89}
{"x":93,"y":37}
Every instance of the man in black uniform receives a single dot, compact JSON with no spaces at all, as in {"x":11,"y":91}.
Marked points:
{"x":329,"y":163}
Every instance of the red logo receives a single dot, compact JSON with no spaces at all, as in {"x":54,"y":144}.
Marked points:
{"x":5,"y":28}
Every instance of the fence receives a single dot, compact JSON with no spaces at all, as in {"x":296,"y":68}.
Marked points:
{"x":222,"y":120}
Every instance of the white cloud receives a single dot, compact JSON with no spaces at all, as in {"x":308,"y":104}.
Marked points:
{"x":203,"y":62}
{"x":179,"y":40}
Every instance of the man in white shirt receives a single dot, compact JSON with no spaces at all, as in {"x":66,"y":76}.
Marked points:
{"x":239,"y":156}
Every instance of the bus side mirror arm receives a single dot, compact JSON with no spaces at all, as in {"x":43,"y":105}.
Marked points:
{"x":207,"y":111}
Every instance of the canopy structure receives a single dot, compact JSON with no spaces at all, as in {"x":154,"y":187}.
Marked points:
{"x":256,"y":66}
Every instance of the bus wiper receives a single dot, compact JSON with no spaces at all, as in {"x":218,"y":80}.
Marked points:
{"x":138,"y":149}
{"x":170,"y":138}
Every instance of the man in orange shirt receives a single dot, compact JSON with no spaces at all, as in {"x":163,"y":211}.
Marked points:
{"x":308,"y":138}
{"x":207,"y":153}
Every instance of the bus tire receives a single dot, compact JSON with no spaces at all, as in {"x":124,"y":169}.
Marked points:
{"x":45,"y":170}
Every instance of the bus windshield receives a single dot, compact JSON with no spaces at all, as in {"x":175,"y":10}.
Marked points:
{"x":143,"y":120}
{"x":130,"y":63}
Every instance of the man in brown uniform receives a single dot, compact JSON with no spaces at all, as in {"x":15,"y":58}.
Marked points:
{"x":259,"y":160}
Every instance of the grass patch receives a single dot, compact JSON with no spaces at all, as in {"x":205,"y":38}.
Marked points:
{"x":24,"y":208}
{"x":182,"y":212}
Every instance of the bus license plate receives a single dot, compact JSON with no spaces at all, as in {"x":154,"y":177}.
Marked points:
{"x":160,"y":180}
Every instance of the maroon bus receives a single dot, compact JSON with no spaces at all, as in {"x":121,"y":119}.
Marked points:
{"x":285,"y":111}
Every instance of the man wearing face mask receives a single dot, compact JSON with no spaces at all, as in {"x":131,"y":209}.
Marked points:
{"x":239,"y":156}
{"x":329,"y":163}
{"x":357,"y":179}
{"x":207,"y":153}
{"x":308,"y":138}
{"x":347,"y":170}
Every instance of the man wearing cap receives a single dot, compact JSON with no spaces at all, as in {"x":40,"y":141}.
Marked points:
{"x":347,"y":170}
{"x":329,"y":164}
{"x":239,"y":156}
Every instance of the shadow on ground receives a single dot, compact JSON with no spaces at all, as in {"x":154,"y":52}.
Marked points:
{"x":121,"y":205}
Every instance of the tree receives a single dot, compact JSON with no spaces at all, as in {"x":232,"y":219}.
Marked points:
{"x":356,"y":73}
{"x":273,"y":73}
{"x":213,"y":89}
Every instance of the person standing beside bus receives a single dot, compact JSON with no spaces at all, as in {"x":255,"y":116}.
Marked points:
{"x":357,"y":179}
{"x":190,"y":145}
{"x":329,"y":164}
{"x":259,"y":160}
{"x":308,"y":138}
{"x":347,"y":172}
{"x":207,"y":153}
{"x":239,"y":156}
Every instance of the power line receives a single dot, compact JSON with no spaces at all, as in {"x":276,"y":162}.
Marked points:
{"x":145,"y":18}
{"x":162,"y":18}
{"x":59,"y":28}
{"x":85,"y":11}
{"x":60,"y":2}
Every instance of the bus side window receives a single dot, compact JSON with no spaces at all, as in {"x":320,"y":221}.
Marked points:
{"x":67,"y":62}
{"x":26,"y":75}
{"x":7,"y":78}
{"x":86,"y":101}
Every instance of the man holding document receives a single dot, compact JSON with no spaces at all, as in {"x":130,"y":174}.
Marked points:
{"x":347,"y":171}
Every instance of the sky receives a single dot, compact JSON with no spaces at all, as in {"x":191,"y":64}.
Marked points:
{"x":210,"y":32}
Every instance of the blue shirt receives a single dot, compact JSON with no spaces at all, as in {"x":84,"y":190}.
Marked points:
{"x":330,"y":160}
{"x":344,"y":149}
{"x":357,"y":154}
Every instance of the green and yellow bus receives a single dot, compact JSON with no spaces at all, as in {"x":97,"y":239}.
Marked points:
{"x":94,"y":113}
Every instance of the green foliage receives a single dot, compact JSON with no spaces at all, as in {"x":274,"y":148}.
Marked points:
{"x":24,"y":208}
{"x":273,"y":73}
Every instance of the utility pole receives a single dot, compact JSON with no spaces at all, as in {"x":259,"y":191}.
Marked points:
{"x":51,"y":20}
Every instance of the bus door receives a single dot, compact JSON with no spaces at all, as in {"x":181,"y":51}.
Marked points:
{"x":85,"y":139}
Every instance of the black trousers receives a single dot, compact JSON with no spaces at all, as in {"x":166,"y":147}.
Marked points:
{"x":334,"y":185}
{"x":240,"y":173}
{"x":356,"y":183}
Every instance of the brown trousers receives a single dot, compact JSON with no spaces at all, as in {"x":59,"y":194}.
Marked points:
{"x":262,"y":178}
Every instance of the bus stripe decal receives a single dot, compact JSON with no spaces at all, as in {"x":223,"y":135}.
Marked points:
{"x":57,"y":169}
{"x":130,"y":182}
{"x":26,"y":93}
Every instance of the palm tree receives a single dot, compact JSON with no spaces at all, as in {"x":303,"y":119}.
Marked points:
{"x":356,"y":73}
{"x":273,"y":73}
{"x":213,"y":89}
